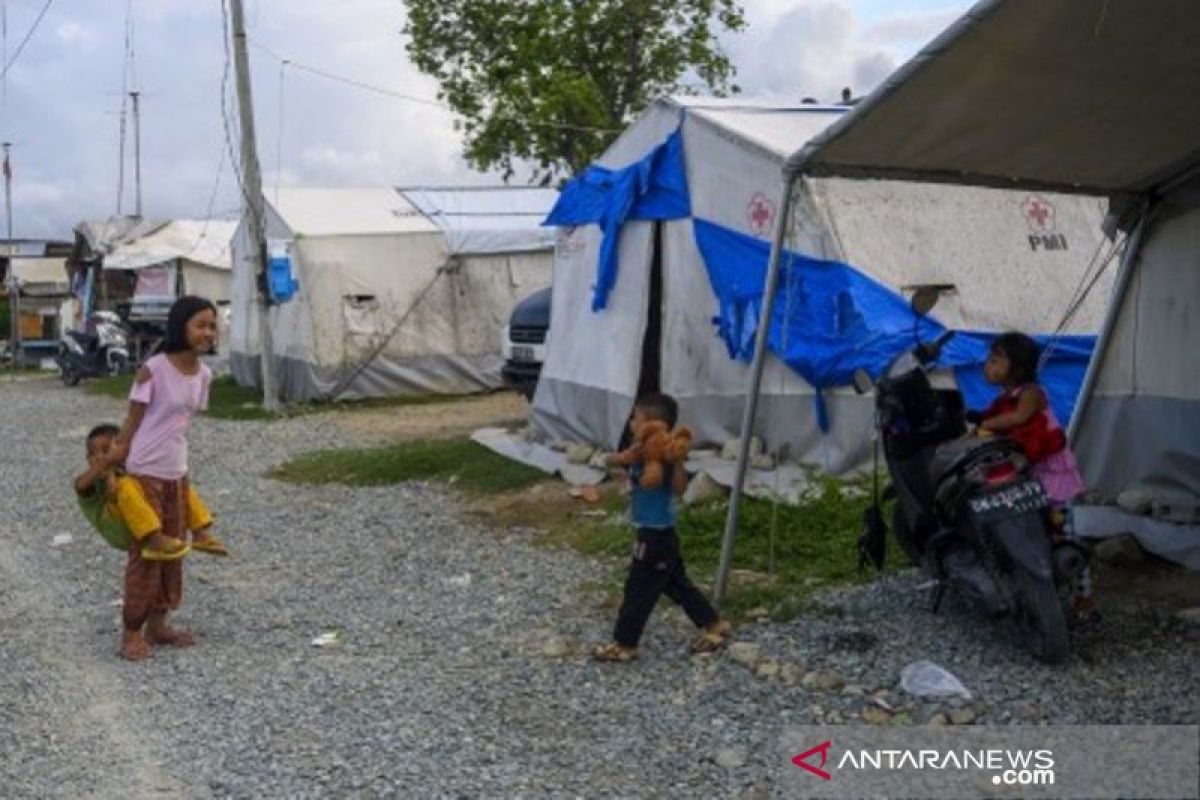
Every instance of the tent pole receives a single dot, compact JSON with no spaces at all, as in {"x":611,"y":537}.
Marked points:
{"x":1124,"y":277}
{"x":751,"y":407}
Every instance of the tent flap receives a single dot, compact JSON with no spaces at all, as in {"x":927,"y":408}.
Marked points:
{"x":830,"y":320}
{"x":654,"y":188}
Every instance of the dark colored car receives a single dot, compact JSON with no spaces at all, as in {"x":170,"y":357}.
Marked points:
{"x":524,"y":345}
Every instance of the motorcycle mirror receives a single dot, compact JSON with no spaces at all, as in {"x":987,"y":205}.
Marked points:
{"x":926,"y":296}
{"x":862,"y":381}
{"x":924,"y":300}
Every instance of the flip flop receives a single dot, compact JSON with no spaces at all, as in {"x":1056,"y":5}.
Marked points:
{"x":164,"y":555}
{"x":614,"y":653}
{"x":712,"y":641}
{"x":212,"y":545}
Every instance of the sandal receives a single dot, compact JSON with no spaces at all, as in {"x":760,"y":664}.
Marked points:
{"x":712,"y":641}
{"x":211,"y":545}
{"x":614,"y":653}
{"x":178,"y":550}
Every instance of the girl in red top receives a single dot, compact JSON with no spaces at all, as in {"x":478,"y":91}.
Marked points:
{"x":1022,"y":412}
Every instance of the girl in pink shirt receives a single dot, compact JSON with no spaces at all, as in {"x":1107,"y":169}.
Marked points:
{"x":170,"y":388}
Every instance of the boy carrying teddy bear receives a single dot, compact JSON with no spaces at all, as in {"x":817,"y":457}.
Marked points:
{"x":655,"y":463}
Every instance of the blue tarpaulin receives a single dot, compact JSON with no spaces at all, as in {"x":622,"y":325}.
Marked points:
{"x":654,"y":188}
{"x":830,"y":319}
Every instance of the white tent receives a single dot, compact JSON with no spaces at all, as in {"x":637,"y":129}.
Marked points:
{"x":1091,"y":96}
{"x":656,"y":329}
{"x":171,"y":258}
{"x":401,"y":291}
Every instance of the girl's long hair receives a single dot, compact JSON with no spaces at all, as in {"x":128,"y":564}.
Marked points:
{"x":1022,"y":352}
{"x":181,"y":311}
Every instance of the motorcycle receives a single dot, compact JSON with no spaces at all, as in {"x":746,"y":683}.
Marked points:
{"x":82,"y":354}
{"x":967,"y":509}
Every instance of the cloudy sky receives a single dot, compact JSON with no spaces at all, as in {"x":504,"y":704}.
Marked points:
{"x":61,"y":100}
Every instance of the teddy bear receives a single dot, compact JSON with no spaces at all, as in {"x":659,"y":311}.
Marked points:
{"x":654,"y":446}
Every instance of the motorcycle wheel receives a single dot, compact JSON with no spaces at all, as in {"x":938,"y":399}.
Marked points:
{"x":903,"y":536}
{"x":1041,"y":619}
{"x":69,"y":376}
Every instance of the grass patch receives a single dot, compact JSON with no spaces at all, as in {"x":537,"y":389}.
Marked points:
{"x":457,"y":461}
{"x":814,"y":547}
{"x":228,"y":400}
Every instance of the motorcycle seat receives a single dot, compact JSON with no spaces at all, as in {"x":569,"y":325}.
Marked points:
{"x":88,"y":341}
{"x":957,"y":455}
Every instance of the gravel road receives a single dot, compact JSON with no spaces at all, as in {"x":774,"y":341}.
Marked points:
{"x":458,"y":665}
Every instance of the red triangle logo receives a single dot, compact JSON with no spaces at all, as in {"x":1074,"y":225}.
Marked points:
{"x":801,"y":760}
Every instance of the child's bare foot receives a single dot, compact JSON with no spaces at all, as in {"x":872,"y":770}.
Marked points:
{"x":159,"y":547}
{"x":616,"y":653}
{"x":205,"y":542}
{"x":134,"y":647}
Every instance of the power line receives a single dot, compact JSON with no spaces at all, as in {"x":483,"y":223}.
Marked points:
{"x":408,"y":97}
{"x":28,"y":35}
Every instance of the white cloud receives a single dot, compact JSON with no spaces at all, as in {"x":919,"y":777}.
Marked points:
{"x":63,"y":96}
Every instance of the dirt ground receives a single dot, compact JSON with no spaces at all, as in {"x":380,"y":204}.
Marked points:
{"x":456,"y":417}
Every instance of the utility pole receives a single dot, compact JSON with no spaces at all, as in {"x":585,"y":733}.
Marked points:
{"x":14,"y":294}
{"x":137,"y":155}
{"x":254,"y":211}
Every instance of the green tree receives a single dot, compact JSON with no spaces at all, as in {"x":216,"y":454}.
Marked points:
{"x":552,"y":82}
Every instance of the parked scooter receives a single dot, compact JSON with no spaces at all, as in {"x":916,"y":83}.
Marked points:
{"x":93,"y":355}
{"x":967,"y":509}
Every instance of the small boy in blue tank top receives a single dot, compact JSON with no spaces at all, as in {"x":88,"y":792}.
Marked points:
{"x":656,"y":566}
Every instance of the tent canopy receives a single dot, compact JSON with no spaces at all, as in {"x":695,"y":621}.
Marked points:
{"x":487,"y":219}
{"x":472,"y":220}
{"x":1005,"y":83}
{"x":204,"y":242}
{"x":42,"y":276}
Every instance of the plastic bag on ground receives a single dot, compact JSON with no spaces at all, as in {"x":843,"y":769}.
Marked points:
{"x":927,"y":680}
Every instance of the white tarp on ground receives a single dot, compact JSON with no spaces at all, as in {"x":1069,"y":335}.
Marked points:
{"x":1098,"y":96}
{"x":897,"y":233}
{"x":787,"y":483}
{"x":385,"y":304}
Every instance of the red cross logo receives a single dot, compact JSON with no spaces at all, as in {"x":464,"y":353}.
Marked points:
{"x":760,"y":213}
{"x":801,"y":760}
{"x":1039,"y":213}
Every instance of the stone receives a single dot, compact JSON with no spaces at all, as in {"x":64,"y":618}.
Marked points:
{"x":767,"y":670}
{"x":731,"y":757}
{"x":1121,"y":551}
{"x":763,"y":462}
{"x":703,"y":489}
{"x":873,"y":715}
{"x":962,"y":716}
{"x":579,"y":453}
{"x":825,"y":680}
{"x":731,"y":449}
{"x":556,"y":648}
{"x":853,"y":690}
{"x":939,"y":719}
{"x":1136,"y":501}
{"x":747,"y":654}
{"x":758,"y":613}
{"x":791,"y":674}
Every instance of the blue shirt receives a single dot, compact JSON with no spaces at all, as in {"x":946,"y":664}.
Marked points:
{"x":652,"y":508}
